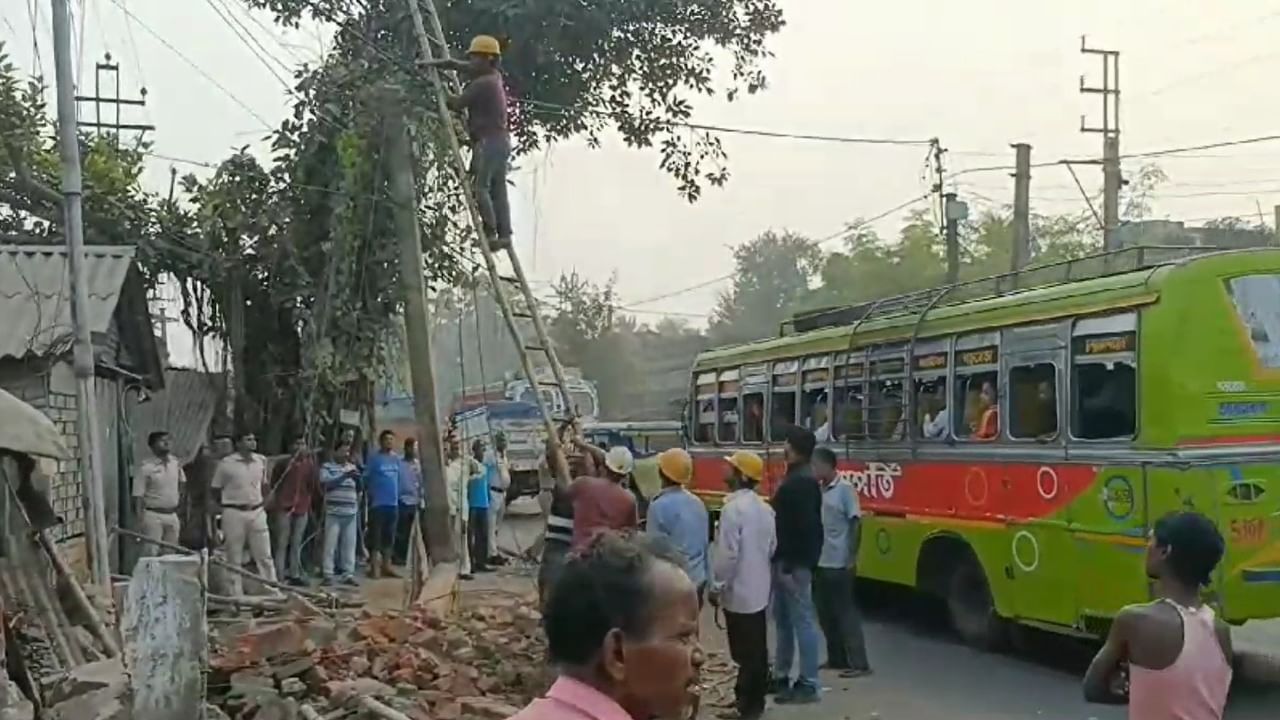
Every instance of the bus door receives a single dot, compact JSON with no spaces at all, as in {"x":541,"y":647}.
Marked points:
{"x":1036,"y":481}
{"x":1110,"y":521}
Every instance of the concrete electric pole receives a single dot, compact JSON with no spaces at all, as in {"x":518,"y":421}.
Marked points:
{"x":82,"y":352}
{"x":1110,"y":130}
{"x":1021,"y":255}
{"x":953,"y":212}
{"x":404,"y":197}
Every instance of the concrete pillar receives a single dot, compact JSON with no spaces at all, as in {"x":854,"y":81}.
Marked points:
{"x":166,"y":638}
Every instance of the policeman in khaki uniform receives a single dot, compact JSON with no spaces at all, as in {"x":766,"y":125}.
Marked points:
{"x":157,"y":493}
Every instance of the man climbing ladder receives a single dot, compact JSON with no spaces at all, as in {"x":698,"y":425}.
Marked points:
{"x":485,"y":101}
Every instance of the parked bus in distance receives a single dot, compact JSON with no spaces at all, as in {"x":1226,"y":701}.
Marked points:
{"x":1014,"y":439}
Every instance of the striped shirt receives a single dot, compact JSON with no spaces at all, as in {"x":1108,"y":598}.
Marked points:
{"x":341,"y":493}
{"x":560,"y":518}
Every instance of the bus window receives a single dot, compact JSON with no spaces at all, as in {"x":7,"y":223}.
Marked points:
{"x":1104,"y":379}
{"x":1033,"y":402}
{"x":886,"y":401}
{"x":814,"y":405}
{"x":728,"y":406}
{"x":753,"y":416}
{"x":704,"y":429}
{"x":929,"y":388}
{"x":704,"y":422}
{"x":975,"y":411}
{"x":782,"y":400}
{"x":1105,"y":401}
{"x":849,"y":392}
{"x":931,"y":408}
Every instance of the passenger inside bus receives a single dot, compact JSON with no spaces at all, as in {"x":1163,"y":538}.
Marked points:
{"x":848,"y":413}
{"x":886,"y":411}
{"x":935,"y":420}
{"x":821,"y":423}
{"x":988,"y":414}
{"x":753,"y":420}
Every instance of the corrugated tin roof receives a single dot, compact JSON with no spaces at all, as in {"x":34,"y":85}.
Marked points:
{"x":35,"y":294}
{"x":184,"y":409}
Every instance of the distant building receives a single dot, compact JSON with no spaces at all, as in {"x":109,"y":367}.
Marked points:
{"x":1173,"y":232}
{"x":35,"y":365}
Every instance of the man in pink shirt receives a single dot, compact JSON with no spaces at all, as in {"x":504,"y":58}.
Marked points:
{"x":622,"y":631}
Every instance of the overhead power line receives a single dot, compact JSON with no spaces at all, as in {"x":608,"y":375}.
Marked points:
{"x":193,"y":65}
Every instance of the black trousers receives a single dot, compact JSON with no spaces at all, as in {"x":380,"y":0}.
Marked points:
{"x":404,"y":532}
{"x":382,"y":530}
{"x":840,"y":618}
{"x":749,"y":648}
{"x":478,"y":537}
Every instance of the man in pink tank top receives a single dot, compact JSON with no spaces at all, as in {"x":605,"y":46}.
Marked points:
{"x":1178,"y":653}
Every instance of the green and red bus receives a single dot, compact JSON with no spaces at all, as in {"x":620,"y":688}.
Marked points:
{"x":1113,"y":389}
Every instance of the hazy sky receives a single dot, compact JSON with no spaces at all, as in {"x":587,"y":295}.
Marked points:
{"x":979,"y":75}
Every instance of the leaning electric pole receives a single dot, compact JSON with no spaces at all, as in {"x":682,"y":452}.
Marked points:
{"x":1110,"y":130}
{"x":82,"y":351}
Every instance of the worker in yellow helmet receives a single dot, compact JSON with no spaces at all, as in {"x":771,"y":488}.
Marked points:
{"x":484,"y":98}
{"x":680,"y":517}
{"x":741,"y":578}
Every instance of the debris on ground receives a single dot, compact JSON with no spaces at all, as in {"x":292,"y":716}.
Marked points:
{"x":485,"y":661}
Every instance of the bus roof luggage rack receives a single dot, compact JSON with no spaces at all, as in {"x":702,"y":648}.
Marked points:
{"x":1125,"y":260}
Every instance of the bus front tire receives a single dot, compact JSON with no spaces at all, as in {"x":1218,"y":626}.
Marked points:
{"x":972,"y":609}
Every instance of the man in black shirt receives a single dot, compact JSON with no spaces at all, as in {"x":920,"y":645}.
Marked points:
{"x":797,"y":504}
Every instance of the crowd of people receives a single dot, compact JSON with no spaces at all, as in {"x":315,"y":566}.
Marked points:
{"x":796,"y":553}
{"x":325,"y":511}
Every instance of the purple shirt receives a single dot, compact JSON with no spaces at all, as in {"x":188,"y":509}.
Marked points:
{"x":570,"y":699}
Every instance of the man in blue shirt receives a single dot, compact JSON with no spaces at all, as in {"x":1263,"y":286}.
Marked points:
{"x":833,"y":582}
{"x":382,"y":483}
{"x":478,"y":505}
{"x":680,"y":517}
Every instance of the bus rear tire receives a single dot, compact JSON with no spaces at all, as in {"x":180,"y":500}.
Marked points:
{"x":972,"y":609}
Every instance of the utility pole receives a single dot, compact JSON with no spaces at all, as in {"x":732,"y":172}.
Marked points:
{"x":82,"y":357}
{"x":1110,"y":130}
{"x":98,"y":101}
{"x":939,"y":177}
{"x":953,"y":211}
{"x":1021,"y":255}
{"x":399,"y":155}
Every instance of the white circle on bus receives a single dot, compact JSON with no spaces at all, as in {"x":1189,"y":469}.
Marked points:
{"x":1035,"y":551}
{"x":976,"y":478}
{"x":1052,"y":491}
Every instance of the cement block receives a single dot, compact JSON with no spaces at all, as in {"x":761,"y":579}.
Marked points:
{"x":166,"y":638}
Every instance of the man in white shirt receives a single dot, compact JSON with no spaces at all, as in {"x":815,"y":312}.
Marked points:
{"x":499,"y":483}
{"x":741,"y":584}
{"x":239,"y":485}
{"x":458,"y":472}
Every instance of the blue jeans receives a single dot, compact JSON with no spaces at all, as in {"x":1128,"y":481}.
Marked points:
{"x":796,"y":622}
{"x":339,"y":546}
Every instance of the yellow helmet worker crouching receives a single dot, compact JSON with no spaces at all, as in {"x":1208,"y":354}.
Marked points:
{"x":485,"y":45}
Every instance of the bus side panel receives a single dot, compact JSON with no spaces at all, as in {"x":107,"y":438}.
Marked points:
{"x":891,"y":548}
{"x":1109,"y":529}
{"x":1248,"y":579}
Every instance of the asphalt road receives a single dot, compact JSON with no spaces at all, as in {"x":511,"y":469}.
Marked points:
{"x":923,"y":673}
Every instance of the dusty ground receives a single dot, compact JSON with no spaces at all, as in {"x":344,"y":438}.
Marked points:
{"x":922,"y":673}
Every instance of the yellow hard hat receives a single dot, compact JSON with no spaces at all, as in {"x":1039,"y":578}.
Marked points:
{"x":484,"y":45}
{"x":676,"y":465}
{"x":748,"y":463}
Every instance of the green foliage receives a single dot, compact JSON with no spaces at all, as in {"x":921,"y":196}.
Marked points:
{"x":578,"y":68}
{"x":771,"y":275}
